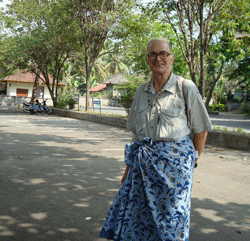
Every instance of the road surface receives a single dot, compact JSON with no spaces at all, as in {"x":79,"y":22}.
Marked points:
{"x":59,"y":176}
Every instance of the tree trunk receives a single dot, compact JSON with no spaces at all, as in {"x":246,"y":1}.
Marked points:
{"x":87,"y":68}
{"x":87,"y":89}
{"x":46,"y":77}
{"x":201,"y":86}
{"x":215,"y":80}
{"x":35,"y":87}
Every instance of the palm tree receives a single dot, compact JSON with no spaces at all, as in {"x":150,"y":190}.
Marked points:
{"x":116,"y":64}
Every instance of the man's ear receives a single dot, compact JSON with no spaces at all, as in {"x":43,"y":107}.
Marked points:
{"x":172,"y":58}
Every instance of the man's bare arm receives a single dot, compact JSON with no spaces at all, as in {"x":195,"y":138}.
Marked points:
{"x":199,"y":142}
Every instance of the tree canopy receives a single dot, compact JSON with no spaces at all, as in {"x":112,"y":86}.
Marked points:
{"x":89,"y":41}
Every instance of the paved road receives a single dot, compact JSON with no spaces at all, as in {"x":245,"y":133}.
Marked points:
{"x":225,"y":120}
{"x":58,"y":177}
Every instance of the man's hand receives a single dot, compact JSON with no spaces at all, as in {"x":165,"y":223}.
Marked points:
{"x":125,"y":175}
{"x":199,"y":142}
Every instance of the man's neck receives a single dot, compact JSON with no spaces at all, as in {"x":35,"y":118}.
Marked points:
{"x":160,"y":80}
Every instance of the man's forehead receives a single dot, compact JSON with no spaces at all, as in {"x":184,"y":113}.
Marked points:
{"x":158,"y":45}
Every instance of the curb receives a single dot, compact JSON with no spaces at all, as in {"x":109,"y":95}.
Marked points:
{"x":217,"y":138}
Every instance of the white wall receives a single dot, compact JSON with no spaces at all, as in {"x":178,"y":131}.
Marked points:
{"x":11,"y":90}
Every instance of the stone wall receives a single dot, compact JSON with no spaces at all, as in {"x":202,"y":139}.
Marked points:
{"x":216,"y":138}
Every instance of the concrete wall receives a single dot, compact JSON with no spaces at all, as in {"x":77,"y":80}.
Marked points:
{"x":217,"y":138}
{"x":14,"y":101}
{"x":110,"y":120}
{"x":13,"y":86}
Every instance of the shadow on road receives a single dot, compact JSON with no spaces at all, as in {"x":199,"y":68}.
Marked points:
{"x":211,"y":220}
{"x":52,"y":191}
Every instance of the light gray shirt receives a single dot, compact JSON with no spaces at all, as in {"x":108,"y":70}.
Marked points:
{"x":167,"y":119}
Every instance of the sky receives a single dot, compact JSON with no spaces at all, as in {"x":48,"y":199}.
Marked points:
{"x":2,"y":4}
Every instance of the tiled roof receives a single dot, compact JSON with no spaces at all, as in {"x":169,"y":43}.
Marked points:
{"x":26,"y":77}
{"x":116,"y":79}
{"x":98,"y":88}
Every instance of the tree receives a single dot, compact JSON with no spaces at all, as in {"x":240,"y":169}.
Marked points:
{"x":96,"y":20}
{"x":41,"y":39}
{"x":138,"y":28}
{"x":230,"y":46}
{"x":239,"y":15}
{"x":127,"y":91}
{"x":192,"y":22}
{"x":115,"y":63}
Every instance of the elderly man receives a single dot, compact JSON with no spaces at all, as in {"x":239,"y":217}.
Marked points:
{"x":154,"y":201}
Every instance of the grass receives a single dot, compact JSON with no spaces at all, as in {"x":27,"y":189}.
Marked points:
{"x":98,"y":113}
{"x":239,"y":130}
{"x":216,"y":127}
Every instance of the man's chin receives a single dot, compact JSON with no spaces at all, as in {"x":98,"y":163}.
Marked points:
{"x":159,"y":69}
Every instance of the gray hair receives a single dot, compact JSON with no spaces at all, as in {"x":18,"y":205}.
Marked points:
{"x":162,"y":40}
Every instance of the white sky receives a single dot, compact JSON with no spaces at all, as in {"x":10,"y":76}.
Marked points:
{"x":2,"y":4}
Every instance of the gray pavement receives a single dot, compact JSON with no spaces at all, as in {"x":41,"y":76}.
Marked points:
{"x":59,"y":176}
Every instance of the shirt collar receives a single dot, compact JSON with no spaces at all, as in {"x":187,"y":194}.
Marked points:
{"x":169,"y":86}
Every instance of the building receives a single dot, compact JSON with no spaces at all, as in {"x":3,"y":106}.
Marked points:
{"x":20,"y":84}
{"x":98,"y":88}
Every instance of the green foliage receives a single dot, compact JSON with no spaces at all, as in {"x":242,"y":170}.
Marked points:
{"x":246,"y":107}
{"x":39,"y":39}
{"x":138,"y":27}
{"x":219,"y":93}
{"x":240,"y":130}
{"x":234,"y":22}
{"x":97,"y":21}
{"x":242,"y":72}
{"x":216,"y":127}
{"x":65,"y":98}
{"x":217,"y":107}
{"x":127,"y":91}
{"x":100,"y":94}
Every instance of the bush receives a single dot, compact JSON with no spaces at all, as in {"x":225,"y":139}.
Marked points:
{"x":246,"y":107}
{"x":100,"y":94}
{"x":65,"y":100}
{"x":217,"y":107}
{"x":127,"y":91}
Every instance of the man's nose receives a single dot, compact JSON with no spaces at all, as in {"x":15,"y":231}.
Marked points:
{"x":158,"y":58}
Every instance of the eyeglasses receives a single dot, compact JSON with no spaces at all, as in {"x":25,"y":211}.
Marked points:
{"x":163,"y":55}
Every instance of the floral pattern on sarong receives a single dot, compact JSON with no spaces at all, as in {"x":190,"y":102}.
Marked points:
{"x":153,"y":203}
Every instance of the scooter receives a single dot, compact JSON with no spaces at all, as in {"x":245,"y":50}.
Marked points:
{"x":37,"y":107}
{"x":26,"y":107}
{"x":46,"y":108}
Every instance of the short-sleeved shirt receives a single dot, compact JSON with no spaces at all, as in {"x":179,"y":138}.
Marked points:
{"x":177,"y":111}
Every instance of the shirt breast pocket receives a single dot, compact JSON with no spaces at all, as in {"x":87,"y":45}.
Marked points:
{"x":170,"y":123}
{"x":171,"y":112}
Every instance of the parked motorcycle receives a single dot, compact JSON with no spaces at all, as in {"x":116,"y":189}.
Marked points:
{"x":46,"y":109}
{"x":40,"y":108}
{"x":26,"y":107}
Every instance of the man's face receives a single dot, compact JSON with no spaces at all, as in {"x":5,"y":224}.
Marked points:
{"x":159,"y":58}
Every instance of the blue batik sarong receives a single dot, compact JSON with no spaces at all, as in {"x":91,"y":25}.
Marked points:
{"x":154,"y":202}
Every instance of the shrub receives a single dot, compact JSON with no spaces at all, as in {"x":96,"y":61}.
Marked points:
{"x":127,"y":91}
{"x":217,"y":107}
{"x":246,"y":108}
{"x":65,"y":100}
